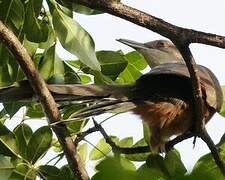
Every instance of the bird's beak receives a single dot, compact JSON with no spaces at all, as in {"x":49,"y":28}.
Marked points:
{"x":133,"y":44}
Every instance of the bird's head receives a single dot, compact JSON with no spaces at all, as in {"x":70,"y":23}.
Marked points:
{"x":156,"y":52}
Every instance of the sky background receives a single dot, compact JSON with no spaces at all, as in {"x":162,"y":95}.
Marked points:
{"x":199,"y":15}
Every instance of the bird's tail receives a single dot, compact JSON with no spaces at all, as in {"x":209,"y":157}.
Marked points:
{"x":103,"y":98}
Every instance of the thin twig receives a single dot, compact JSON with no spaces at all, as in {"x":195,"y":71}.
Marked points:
{"x":196,"y":87}
{"x":95,"y":147}
{"x":117,"y":149}
{"x":57,"y":156}
{"x":83,"y":134}
{"x":169,"y":145}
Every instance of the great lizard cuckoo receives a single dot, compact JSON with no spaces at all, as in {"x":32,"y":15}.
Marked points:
{"x":163,"y":97}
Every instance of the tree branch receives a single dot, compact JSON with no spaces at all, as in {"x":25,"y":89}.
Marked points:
{"x":129,"y":150}
{"x":198,"y":101}
{"x":169,"y":145}
{"x":153,"y":23}
{"x":117,"y":149}
{"x":49,"y":106}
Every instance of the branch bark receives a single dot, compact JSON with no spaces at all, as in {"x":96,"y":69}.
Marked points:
{"x":153,"y":23}
{"x":198,"y":101}
{"x":49,"y":106}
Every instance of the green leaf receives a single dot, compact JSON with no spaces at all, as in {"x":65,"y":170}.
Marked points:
{"x":70,"y":74}
{"x":75,"y":39}
{"x":74,"y":63}
{"x":6,"y":167}
{"x":49,"y":172}
{"x":221,"y":142}
{"x":126,"y":142}
{"x":36,"y":30}
{"x":101,"y":149}
{"x":13,"y":11}
{"x":129,"y":75}
{"x":57,"y":146}
{"x":138,"y":156}
{"x":85,"y":79}
{"x":3,"y":116}
{"x":115,"y":168}
{"x":31,"y":47}
{"x":112,"y":63}
{"x":137,"y":60}
{"x":39,"y":143}
{"x":12,"y":107}
{"x":51,"y":64}
{"x":146,"y":173}
{"x":222,"y":110}
{"x":8,"y":142}
{"x":34,"y":110}
{"x":76,"y":126}
{"x":147,"y":132}
{"x":5,"y":78}
{"x":51,"y":38}
{"x":156,"y":161}
{"x":66,"y":173}
{"x":83,"y":151}
{"x":206,"y":168}
{"x":38,"y":58}
{"x":8,"y":67}
{"x":72,"y":78}
{"x":23,"y":134}
{"x":136,"y":63}
{"x":84,"y":9}
{"x":56,"y":79}
{"x":174,"y":164}
{"x":100,"y":78}
{"x":69,"y":110}
{"x":23,"y":171}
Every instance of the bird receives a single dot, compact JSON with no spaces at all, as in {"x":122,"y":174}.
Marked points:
{"x":162,"y":98}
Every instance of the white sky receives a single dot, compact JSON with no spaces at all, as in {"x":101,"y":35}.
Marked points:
{"x":200,"y":15}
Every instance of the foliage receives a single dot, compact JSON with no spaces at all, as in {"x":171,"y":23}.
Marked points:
{"x":21,"y":149}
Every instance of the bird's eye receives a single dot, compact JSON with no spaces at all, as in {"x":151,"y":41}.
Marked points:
{"x":161,"y":44}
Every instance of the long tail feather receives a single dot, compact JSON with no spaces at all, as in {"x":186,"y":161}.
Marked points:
{"x":109,"y":107}
{"x":76,"y":92}
{"x":94,"y":91}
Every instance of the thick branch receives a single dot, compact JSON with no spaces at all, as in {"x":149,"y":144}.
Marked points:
{"x":198,"y":102}
{"x":46,"y":99}
{"x":153,"y":23}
